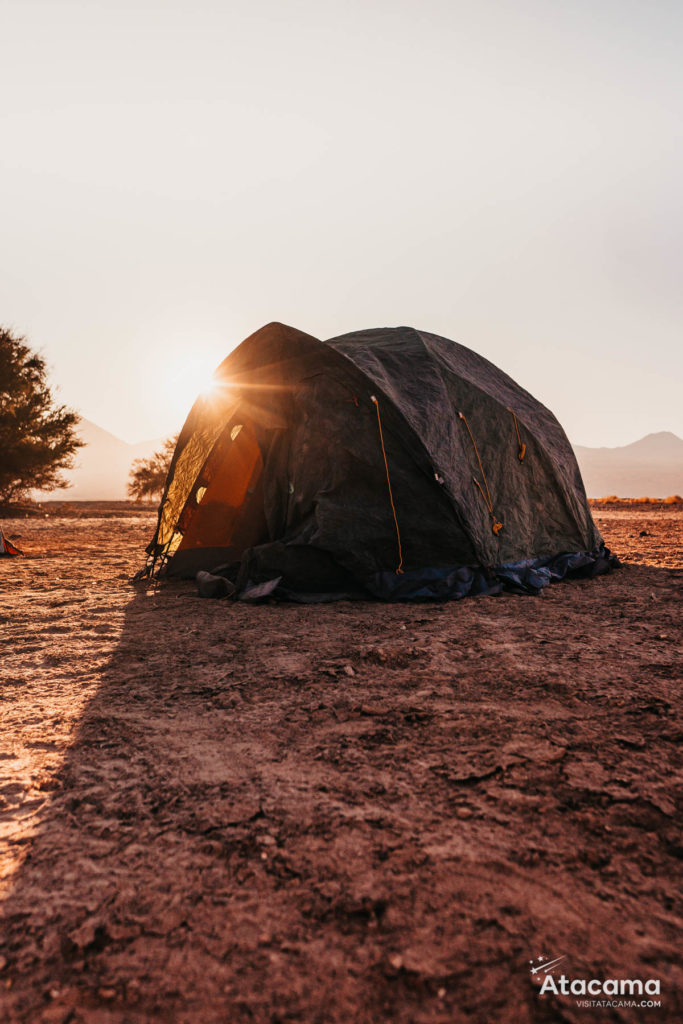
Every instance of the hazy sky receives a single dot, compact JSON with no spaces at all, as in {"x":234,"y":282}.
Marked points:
{"x":175,"y":174}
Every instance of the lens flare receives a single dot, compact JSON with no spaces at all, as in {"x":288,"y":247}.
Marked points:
{"x":191,"y":380}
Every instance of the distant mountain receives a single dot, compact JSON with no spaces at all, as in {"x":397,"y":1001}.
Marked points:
{"x":651,"y":467}
{"x":102,"y":467}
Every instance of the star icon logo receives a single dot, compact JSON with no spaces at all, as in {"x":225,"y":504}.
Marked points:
{"x":542,"y":963}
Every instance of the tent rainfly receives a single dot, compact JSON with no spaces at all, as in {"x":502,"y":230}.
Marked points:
{"x":390,"y":463}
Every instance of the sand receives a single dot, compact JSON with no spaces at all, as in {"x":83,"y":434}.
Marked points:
{"x":214,"y":813}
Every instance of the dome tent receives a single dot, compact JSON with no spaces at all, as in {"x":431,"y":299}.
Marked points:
{"x":388,"y":462}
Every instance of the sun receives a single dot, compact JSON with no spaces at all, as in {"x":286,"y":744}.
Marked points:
{"x":191,"y":379}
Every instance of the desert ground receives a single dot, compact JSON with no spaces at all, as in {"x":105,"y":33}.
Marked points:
{"x":220,"y":813}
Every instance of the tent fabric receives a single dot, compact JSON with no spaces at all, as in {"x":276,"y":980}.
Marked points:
{"x":288,"y":469}
{"x":6,"y":547}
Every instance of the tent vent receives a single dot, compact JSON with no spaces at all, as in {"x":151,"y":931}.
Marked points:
{"x":235,"y":431}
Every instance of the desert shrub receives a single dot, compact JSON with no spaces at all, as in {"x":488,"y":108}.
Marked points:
{"x":148,"y":476}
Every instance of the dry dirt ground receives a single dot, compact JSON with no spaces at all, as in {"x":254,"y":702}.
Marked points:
{"x":215,"y":813}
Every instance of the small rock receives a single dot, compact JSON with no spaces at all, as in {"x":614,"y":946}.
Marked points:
{"x":106,"y":993}
{"x":133,"y":989}
{"x":463,"y":812}
{"x":396,"y":961}
{"x":373,"y":709}
{"x":349,"y":670}
{"x":441,"y":993}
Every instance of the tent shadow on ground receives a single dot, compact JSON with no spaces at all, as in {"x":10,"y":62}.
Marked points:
{"x":360,"y":822}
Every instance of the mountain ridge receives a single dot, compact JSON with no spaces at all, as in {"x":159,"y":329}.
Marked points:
{"x":651,"y":466}
{"x":661,"y":442}
{"x":102,"y":467}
